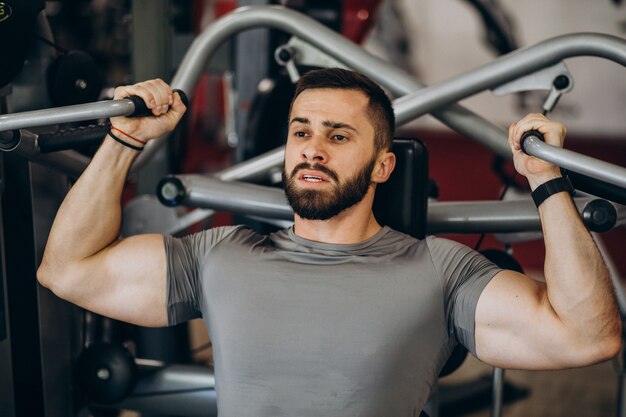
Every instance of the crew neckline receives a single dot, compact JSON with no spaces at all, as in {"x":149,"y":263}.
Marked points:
{"x":344,"y":247}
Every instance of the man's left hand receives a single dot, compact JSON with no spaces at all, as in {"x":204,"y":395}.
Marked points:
{"x":534,"y":169}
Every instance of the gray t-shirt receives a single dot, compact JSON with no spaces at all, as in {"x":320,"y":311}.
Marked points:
{"x":303,"y":328}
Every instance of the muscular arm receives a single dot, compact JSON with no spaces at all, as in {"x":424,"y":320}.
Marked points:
{"x":570,"y":320}
{"x":84,"y":262}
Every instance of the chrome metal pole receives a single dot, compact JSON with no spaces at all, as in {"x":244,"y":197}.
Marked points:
{"x":507,"y":68}
{"x":497,"y":393}
{"x":586,"y":165}
{"x":67,"y":114}
{"x":443,"y":217}
{"x":395,"y":80}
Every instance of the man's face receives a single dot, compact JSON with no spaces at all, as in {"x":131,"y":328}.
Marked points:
{"x":330,"y":155}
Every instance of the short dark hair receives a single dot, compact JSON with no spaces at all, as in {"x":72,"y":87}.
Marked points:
{"x":380,"y":108}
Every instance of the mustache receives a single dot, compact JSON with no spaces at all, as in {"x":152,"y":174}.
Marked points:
{"x":320,"y":168}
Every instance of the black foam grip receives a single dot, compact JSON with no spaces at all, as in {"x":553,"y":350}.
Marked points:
{"x":142,"y":110}
{"x":72,"y":138}
{"x":183,"y":97}
{"x":528,"y":134}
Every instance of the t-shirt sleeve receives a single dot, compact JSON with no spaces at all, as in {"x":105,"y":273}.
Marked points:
{"x":186,"y":257}
{"x":464,"y":273}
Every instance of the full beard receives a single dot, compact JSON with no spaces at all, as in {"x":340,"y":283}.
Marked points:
{"x":324,"y":204}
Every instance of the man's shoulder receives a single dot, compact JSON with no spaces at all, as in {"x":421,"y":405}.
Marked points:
{"x":436,"y":242}
{"x":237,"y":233}
{"x":210,"y":239}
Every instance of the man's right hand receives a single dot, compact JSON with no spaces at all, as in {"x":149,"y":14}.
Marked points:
{"x":167,"y":109}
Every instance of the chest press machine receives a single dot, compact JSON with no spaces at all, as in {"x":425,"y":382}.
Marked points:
{"x":188,"y":389}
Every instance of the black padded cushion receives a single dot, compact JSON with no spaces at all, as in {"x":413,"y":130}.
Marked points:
{"x":402,"y":202}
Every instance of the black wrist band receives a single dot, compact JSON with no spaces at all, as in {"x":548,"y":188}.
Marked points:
{"x":115,"y":138}
{"x":551,"y":187}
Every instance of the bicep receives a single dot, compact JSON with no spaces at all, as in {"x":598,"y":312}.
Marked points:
{"x":516,"y":326}
{"x":125,"y":281}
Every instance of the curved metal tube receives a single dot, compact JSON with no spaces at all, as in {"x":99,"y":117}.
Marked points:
{"x":254,"y":168}
{"x":427,"y":99}
{"x":507,"y":68}
{"x":395,"y":80}
{"x":586,"y":165}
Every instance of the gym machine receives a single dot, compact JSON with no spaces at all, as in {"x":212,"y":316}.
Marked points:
{"x":188,"y":390}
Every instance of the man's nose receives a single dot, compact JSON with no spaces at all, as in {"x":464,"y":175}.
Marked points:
{"x":315,"y":150}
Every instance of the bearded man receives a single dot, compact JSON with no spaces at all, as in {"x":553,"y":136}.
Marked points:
{"x":337,"y":315}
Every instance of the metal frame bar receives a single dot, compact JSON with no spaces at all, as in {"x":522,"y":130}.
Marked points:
{"x":582,"y":164}
{"x":395,"y":80}
{"x":443,"y":217}
{"x":510,"y":67}
{"x":66,"y":114}
{"x":413,"y":104}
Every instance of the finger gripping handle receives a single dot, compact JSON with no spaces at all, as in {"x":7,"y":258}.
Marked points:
{"x":183,"y":97}
{"x":528,"y":134}
{"x":142,"y":110}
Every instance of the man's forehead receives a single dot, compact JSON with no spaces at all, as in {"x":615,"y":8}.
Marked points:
{"x":332,"y":104}
{"x":336,"y":93}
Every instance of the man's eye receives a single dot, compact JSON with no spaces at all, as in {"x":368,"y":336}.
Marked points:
{"x":300,"y":134}
{"x":339,"y":138}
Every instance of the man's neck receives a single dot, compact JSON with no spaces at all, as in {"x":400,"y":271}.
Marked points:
{"x":353,"y":225}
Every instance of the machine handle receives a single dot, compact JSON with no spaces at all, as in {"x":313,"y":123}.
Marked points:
{"x":77,"y":113}
{"x":141,"y":109}
{"x":593,"y":175}
{"x":72,"y":138}
{"x":527,"y":135}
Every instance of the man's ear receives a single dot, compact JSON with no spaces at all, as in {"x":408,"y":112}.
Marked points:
{"x":385,"y":163}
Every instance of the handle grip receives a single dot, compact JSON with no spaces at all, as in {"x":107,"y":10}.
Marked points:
{"x":593,"y":185}
{"x":72,"y":138}
{"x":142,"y":110}
{"x":526,"y":135}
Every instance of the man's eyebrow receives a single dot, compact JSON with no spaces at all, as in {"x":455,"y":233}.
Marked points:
{"x":326,"y":123}
{"x":338,"y":125}
{"x":302,"y":120}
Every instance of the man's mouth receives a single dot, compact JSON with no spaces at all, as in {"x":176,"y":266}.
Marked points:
{"x":313,"y":174}
{"x":312,"y":178}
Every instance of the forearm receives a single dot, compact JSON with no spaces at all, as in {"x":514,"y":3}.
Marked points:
{"x":89,"y":218}
{"x":579,"y":288}
{"x":571,"y":320}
